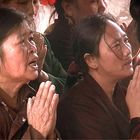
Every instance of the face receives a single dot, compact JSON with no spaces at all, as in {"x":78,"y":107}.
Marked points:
{"x":83,"y":8}
{"x":19,"y":56}
{"x":115,"y":58}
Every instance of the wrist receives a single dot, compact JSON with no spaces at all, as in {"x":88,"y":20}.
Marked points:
{"x":35,"y":134}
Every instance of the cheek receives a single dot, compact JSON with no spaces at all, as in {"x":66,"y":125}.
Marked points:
{"x":15,"y":61}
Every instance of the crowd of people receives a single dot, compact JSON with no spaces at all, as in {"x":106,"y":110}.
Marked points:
{"x":78,"y":80}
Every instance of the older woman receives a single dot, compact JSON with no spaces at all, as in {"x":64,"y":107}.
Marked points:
{"x":95,"y":107}
{"x":18,"y":65}
{"x":52,"y":67}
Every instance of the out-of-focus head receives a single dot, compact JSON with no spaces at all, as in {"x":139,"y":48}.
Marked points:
{"x":18,"y":53}
{"x":77,"y":9}
{"x":29,"y":7}
{"x":101,"y":45}
{"x":135,"y":13}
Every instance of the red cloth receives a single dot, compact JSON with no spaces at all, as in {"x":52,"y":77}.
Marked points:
{"x":46,"y":2}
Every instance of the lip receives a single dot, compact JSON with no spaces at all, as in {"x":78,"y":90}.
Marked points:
{"x":33,"y":60}
{"x":128,"y":62}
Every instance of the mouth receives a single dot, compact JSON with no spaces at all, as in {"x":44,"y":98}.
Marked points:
{"x":33,"y":63}
{"x":129,"y":62}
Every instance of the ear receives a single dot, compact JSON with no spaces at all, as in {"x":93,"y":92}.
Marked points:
{"x":68,"y":8}
{"x":91,"y":61}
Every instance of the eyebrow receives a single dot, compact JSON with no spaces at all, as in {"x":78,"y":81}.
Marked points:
{"x":118,"y":39}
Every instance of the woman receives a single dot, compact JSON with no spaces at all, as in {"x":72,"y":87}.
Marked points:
{"x":52,"y":67}
{"x":70,"y":12}
{"x":18,"y":65}
{"x":95,"y":107}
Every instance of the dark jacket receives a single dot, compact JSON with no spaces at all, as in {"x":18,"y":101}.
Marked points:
{"x":86,"y":112}
{"x":61,"y":44}
{"x":57,"y":74}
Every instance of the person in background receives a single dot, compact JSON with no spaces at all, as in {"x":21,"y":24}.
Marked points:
{"x":95,"y":107}
{"x":70,"y":12}
{"x":24,"y":112}
{"x":53,"y":70}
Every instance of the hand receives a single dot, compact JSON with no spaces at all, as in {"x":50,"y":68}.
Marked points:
{"x":41,"y":110}
{"x":41,"y":49}
{"x":133,"y":94}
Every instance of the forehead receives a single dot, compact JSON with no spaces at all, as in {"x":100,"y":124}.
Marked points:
{"x":113,"y":30}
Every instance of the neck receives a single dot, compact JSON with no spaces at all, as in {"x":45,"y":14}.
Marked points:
{"x":11,"y":90}
{"x":107,"y":84}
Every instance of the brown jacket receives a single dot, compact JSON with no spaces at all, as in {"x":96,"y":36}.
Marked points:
{"x":12,"y":120}
{"x":85,"y":112}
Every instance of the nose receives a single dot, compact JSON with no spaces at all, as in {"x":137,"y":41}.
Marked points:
{"x":102,"y":6}
{"x":127,"y":50}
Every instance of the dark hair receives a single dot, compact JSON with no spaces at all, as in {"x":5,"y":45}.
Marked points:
{"x":135,"y":13}
{"x":59,"y":9}
{"x":18,"y":1}
{"x":9,"y":20}
{"x":87,"y":36}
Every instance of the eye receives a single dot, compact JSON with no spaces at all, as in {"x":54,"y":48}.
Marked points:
{"x":22,"y":41}
{"x":116,"y":44}
{"x":31,"y":39}
{"x":126,"y":40}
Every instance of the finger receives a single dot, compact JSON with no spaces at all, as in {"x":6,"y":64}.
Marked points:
{"x":40,"y":90}
{"x":135,"y":76}
{"x":29,"y":105}
{"x":54,"y":103}
{"x":50,"y":96}
{"x":130,"y":85}
{"x":138,"y":77}
{"x":44,"y":94}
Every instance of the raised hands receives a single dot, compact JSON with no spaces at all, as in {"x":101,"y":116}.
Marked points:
{"x":133,"y":94}
{"x":41,"y":109}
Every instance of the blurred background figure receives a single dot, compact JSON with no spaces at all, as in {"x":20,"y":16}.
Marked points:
{"x":60,"y":33}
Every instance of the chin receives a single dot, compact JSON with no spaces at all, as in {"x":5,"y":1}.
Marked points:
{"x":33,"y":76}
{"x":128,"y":73}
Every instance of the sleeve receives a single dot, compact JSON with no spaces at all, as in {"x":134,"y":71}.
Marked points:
{"x":135,"y":128}
{"x":53,"y":67}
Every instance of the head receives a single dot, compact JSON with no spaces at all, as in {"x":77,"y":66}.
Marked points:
{"x":77,"y":9}
{"x":29,"y":7}
{"x":101,"y":47}
{"x":135,"y":13}
{"x":18,"y":53}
